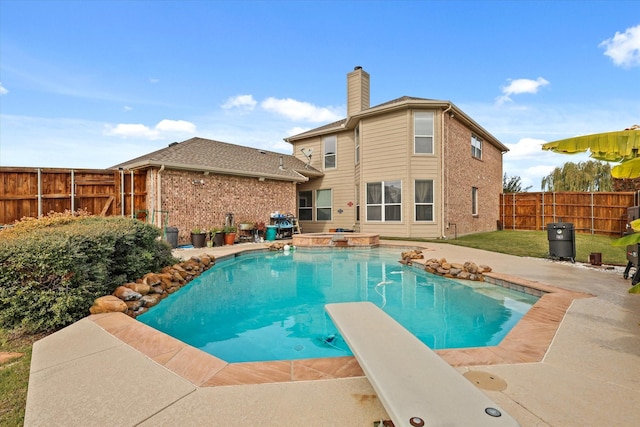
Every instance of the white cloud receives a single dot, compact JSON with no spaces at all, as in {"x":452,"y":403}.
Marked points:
{"x":127,"y":108}
{"x":518,"y":86}
{"x":176,"y":126}
{"x":298,"y":110}
{"x":154,"y":80}
{"x":3,"y":90}
{"x":243,"y":102}
{"x":624,"y":48}
{"x":532,"y":176}
{"x":161,"y":130}
{"x":524,"y":149}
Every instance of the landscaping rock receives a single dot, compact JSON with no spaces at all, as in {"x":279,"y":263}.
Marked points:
{"x":150,"y":300}
{"x":412,"y":254}
{"x":141,"y":288}
{"x":467,"y":271}
{"x":136,"y":297}
{"x":108,"y":304}
{"x":126,"y":294}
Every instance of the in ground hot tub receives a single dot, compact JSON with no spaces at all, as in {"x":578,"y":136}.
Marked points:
{"x":336,"y":239}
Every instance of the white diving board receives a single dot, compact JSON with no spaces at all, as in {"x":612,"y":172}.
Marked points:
{"x":415,"y":385}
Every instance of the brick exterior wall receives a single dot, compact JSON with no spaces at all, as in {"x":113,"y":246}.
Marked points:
{"x":626,"y":184}
{"x":462,"y":172}
{"x":206,"y":203}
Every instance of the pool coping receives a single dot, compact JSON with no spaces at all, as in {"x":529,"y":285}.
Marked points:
{"x":527,"y":342}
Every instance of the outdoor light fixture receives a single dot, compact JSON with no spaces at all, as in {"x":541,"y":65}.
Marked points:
{"x":198,"y":182}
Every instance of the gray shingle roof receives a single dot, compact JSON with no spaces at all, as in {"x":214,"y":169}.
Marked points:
{"x":340,"y":123}
{"x":220,"y":157}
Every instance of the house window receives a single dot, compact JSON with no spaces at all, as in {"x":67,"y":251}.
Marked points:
{"x":323,"y":205}
{"x":330,"y":145}
{"x":423,"y":132}
{"x":357,"y":202}
{"x":476,"y":147}
{"x":384,"y":201}
{"x":474,"y":200}
{"x":424,"y":199}
{"x":356,"y":138}
{"x":305,"y":206}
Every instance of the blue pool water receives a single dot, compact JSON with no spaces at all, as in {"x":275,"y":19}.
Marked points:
{"x":270,"y":305}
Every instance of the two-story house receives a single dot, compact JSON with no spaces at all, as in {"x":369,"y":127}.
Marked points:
{"x":410,"y":167}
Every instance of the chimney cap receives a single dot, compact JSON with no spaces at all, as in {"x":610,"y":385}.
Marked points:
{"x":357,"y":67}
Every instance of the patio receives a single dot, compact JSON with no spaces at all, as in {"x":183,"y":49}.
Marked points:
{"x":589,"y":375}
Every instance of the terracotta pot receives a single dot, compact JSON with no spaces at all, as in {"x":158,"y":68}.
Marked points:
{"x":229,"y":238}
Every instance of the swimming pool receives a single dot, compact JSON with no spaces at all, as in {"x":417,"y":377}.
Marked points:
{"x":270,"y":305}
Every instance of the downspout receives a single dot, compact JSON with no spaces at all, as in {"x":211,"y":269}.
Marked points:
{"x":444,"y":184}
{"x":133,"y":193}
{"x":73,"y":191}
{"x":122,"y":202}
{"x":159,"y":195}
{"x":39,"y":193}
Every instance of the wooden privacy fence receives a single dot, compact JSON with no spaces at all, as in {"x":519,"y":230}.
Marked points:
{"x":33,"y":192}
{"x":595,"y":213}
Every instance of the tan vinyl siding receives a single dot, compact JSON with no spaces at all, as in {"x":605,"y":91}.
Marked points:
{"x":384,"y":150}
{"x":385,"y":155}
{"x":339,"y":180}
{"x":315,"y":144}
{"x":425,"y":166}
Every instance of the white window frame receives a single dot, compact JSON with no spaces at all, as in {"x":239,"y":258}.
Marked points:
{"x":328,"y":155}
{"x":384,"y":201}
{"x":476,"y":147}
{"x":356,"y":139}
{"x":474,"y":201}
{"x":417,"y":117}
{"x":418,"y":203}
{"x":329,"y":206}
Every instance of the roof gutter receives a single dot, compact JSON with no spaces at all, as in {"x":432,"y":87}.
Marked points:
{"x":159,"y":196}
{"x":298,"y":177}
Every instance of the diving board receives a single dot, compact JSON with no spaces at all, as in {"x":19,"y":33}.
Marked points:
{"x":415,"y":385}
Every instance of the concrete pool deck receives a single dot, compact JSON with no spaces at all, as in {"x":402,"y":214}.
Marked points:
{"x":587,"y":374}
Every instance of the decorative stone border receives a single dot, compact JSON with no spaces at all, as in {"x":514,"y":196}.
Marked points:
{"x":137,"y":297}
{"x":467,"y":271}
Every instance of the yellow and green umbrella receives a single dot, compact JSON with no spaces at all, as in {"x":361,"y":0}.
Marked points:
{"x":621,"y":146}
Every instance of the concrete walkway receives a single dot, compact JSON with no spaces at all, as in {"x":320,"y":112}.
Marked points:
{"x":590,"y":376}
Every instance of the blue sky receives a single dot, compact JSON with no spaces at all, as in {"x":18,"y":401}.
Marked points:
{"x":89,"y":84}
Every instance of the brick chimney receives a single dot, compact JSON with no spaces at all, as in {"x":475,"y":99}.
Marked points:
{"x":357,"y":91}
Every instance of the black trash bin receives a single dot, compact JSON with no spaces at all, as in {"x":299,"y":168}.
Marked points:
{"x":562,"y":240}
{"x":171,"y":234}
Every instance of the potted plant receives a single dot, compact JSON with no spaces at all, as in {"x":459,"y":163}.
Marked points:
{"x":198,"y":238}
{"x":217,"y":236}
{"x":229,"y":234}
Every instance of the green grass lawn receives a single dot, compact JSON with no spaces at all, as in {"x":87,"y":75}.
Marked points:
{"x":536,"y":244}
{"x":14,"y":375}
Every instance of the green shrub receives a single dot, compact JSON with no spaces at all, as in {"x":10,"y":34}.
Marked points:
{"x":51,"y":270}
